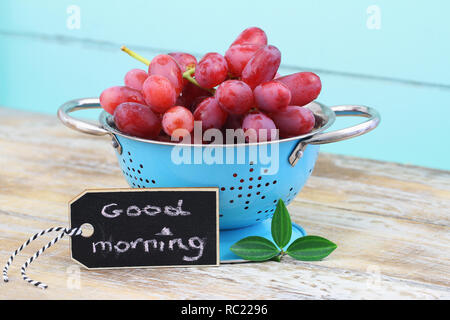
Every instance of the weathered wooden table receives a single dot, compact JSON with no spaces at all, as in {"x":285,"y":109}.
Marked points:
{"x":390,"y":221}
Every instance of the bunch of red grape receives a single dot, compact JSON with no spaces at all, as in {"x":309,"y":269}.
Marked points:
{"x":241,"y":90}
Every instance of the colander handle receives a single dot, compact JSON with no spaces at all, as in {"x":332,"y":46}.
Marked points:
{"x":342,"y":134}
{"x":77,"y":124}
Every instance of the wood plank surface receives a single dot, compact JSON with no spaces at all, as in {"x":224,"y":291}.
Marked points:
{"x":390,"y":221}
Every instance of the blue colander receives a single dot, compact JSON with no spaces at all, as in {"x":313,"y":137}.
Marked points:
{"x":250,"y":177}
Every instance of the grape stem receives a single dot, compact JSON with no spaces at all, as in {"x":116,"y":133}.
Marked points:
{"x":135,"y":55}
{"x":186,"y":75}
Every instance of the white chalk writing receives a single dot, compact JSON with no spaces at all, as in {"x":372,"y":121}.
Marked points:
{"x":111,"y":210}
{"x":195,"y":244}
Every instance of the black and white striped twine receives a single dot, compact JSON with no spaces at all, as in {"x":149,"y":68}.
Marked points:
{"x":68,"y":231}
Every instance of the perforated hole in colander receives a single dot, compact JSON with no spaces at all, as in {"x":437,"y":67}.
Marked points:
{"x":243,"y":200}
{"x":135,"y":173}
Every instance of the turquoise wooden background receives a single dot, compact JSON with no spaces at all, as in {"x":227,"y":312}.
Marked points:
{"x":401,"y":68}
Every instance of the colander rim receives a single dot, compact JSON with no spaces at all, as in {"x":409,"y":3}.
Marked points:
{"x":105,"y":118}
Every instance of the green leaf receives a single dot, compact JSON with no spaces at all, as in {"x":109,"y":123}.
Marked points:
{"x":255,"y":249}
{"x":310,"y":248}
{"x":281,"y":225}
{"x":277,"y":258}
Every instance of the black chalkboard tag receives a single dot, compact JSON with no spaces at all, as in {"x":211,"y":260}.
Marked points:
{"x":157,"y":227}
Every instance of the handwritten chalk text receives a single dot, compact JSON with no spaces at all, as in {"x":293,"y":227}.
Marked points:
{"x":111,"y":210}
{"x":153,"y":245}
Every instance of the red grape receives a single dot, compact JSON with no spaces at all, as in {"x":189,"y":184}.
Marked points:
{"x":251,"y":35}
{"x":272,"y":96}
{"x":197,"y":101}
{"x":181,"y":101}
{"x":211,"y":70}
{"x":135,"y":78}
{"x":258,"y":121}
{"x":163,"y":137}
{"x":262,"y":66}
{"x":235,"y":96}
{"x":137,"y":120}
{"x":237,"y":57}
{"x":178,"y":121}
{"x":210,"y":114}
{"x":165,"y":65}
{"x":234,"y":121}
{"x":294,"y":121}
{"x":184,"y":60}
{"x":190,"y":94}
{"x":159,"y":93}
{"x":113,"y":96}
{"x":305,"y":87}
